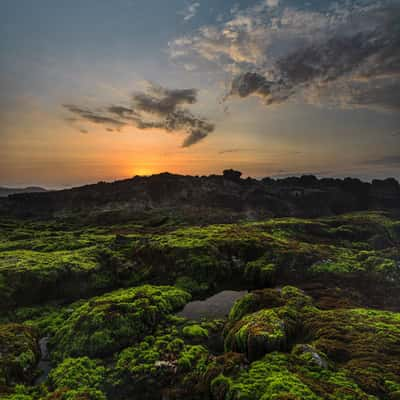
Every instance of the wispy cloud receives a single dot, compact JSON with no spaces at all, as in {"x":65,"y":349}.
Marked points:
{"x":390,"y":160}
{"x":284,"y":53}
{"x":190,"y":11}
{"x":229,"y":151}
{"x":157,"y":107}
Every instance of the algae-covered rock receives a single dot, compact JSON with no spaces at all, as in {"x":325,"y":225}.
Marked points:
{"x":19,"y":354}
{"x":268,"y":378}
{"x":115,"y":320}
{"x":261,"y":332}
{"x":254,"y":301}
{"x":281,"y":376}
{"x":364,"y":342}
{"x":77,"y":378}
{"x":310,"y":355}
{"x":165,"y":360}
{"x":272,"y":327}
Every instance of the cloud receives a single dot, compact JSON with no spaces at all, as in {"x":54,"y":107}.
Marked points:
{"x":92,"y":116}
{"x":290,"y":53}
{"x":392,"y":160}
{"x":252,"y":83}
{"x":156,"y":107}
{"x":272,"y":3}
{"x":228,"y":151}
{"x":190,"y":11}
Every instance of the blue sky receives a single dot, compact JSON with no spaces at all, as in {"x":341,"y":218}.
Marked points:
{"x":269,"y":96}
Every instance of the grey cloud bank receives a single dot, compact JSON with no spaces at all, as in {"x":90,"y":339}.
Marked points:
{"x":282,"y":53}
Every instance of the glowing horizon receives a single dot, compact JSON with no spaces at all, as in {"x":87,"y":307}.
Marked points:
{"x":77,"y":106}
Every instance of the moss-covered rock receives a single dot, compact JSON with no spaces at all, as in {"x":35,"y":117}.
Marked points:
{"x":113,"y":321}
{"x":364,"y":342}
{"x":19,"y":354}
{"x":281,"y":376}
{"x":261,"y":332}
{"x":268,"y":378}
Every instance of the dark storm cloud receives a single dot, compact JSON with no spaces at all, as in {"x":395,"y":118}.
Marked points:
{"x":158,"y":108}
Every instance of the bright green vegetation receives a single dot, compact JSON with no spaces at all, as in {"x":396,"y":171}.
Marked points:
{"x":346,"y":353}
{"x":321,"y":319}
{"x":105,"y":324}
{"x":77,"y":378}
{"x":57,"y":261}
{"x":195,"y":331}
{"x":282,"y":376}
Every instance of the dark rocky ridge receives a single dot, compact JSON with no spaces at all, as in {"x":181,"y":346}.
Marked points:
{"x":6,"y":191}
{"x":305,"y":196}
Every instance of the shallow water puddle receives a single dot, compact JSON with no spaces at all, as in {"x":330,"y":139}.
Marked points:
{"x":217,"y":306}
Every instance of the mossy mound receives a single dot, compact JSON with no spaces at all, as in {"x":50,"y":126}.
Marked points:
{"x":364,"y":342}
{"x":359,"y":345}
{"x":261,"y":332}
{"x":115,"y":320}
{"x":168,"y":360}
{"x":284,"y":376}
{"x":19,"y":354}
{"x":77,"y":378}
{"x":268,"y":329}
{"x":254,"y":301}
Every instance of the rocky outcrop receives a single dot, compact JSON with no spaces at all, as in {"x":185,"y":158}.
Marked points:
{"x":213,"y":195}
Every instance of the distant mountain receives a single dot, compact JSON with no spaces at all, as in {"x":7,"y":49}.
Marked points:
{"x":5,"y":191}
{"x":219,"y":198}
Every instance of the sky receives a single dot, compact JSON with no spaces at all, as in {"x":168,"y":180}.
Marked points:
{"x":94,"y":90}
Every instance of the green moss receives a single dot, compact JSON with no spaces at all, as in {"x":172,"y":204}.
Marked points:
{"x":336,"y":352}
{"x":364,"y":342}
{"x":83,"y":393}
{"x":19,"y":354}
{"x":164,"y":360}
{"x":190,"y":356}
{"x":281,"y":376}
{"x":261,"y":332}
{"x":45,"y":261}
{"x":195,"y":331}
{"x":268,"y":378}
{"x":77,"y":373}
{"x":110,"y":322}
{"x":261,"y":272}
{"x":190,"y":285}
{"x":254,"y":301}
